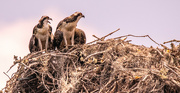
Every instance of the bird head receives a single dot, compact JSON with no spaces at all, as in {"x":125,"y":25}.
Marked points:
{"x":76,"y":16}
{"x":45,"y":19}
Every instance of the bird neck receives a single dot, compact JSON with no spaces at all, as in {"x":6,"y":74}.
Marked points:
{"x":78,"y":19}
{"x":45,"y":24}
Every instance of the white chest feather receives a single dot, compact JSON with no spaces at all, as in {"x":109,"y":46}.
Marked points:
{"x":68,"y":29}
{"x":68,"y":26}
{"x":68,"y":34}
{"x":43,"y":30}
{"x":43,"y":33}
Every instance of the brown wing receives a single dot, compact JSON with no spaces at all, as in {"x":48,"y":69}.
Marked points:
{"x":59,"y":24}
{"x":51,"y":37}
{"x":50,"y":30}
{"x":50,"y":33}
{"x":58,"y":37}
{"x":35,"y":30}
{"x":33,"y":44}
{"x":80,"y":37}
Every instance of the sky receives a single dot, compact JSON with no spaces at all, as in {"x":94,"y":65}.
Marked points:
{"x":160,"y":19}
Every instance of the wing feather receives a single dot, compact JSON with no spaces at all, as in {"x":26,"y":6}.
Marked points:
{"x":35,"y":30}
{"x":58,"y":37}
{"x":80,"y":37}
{"x":33,"y":44}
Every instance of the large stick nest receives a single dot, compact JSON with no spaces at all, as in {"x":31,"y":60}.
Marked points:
{"x":114,"y":65}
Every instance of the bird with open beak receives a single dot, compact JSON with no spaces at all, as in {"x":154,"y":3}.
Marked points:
{"x":67,"y":27}
{"x":42,"y":35}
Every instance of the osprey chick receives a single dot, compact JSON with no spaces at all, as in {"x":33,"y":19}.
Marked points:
{"x":42,"y":35}
{"x":67,"y":27}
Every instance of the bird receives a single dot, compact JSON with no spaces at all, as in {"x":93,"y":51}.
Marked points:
{"x":42,"y":35}
{"x":79,"y":38}
{"x":66,"y":28}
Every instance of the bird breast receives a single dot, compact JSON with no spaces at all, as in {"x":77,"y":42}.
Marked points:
{"x":42,"y":33}
{"x":43,"y":30}
{"x":68,"y":34}
{"x":70,"y":26}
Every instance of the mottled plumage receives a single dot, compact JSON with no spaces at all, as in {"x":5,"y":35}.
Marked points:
{"x":42,"y":35}
{"x":58,"y":37}
{"x":79,"y":38}
{"x":67,"y":27}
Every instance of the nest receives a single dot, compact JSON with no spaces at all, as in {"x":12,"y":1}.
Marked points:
{"x":110,"y":66}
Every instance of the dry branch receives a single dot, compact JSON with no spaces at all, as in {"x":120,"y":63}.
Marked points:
{"x":174,"y":40}
{"x":138,"y":36}
{"x":102,"y":38}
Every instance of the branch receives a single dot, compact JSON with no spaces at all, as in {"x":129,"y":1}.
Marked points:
{"x":172,"y":70}
{"x":7,"y":75}
{"x":138,"y":36}
{"x":94,"y":54}
{"x":174,"y":40}
{"x":102,"y":38}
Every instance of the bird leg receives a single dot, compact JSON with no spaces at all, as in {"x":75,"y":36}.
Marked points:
{"x":47,"y":41}
{"x":72,"y":38}
{"x":40,"y":43}
{"x":65,"y":40}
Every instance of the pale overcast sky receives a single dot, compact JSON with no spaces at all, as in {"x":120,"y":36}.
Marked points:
{"x":158,"y":18}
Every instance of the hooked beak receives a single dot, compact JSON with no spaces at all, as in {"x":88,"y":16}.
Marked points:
{"x":83,"y":16}
{"x":51,"y":20}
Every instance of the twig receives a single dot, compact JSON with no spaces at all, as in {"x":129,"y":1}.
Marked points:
{"x":85,"y":88}
{"x":112,"y":90}
{"x":11,"y":67}
{"x":15,"y":62}
{"x":175,"y":82}
{"x":156,"y":90}
{"x":174,"y":40}
{"x":7,"y":75}
{"x":94,"y":54}
{"x":96,"y":37}
{"x":106,"y":85}
{"x":69,"y":54}
{"x":174,"y":67}
{"x":18,"y":61}
{"x":30,"y":87}
{"x":145,"y":77}
{"x":104,"y":36}
{"x":111,"y":33}
{"x":30,"y":68}
{"x":102,"y":42}
{"x":159,"y":52}
{"x":138,"y":36}
{"x":44,"y":84}
{"x":171,"y":70}
{"x":137,"y":87}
